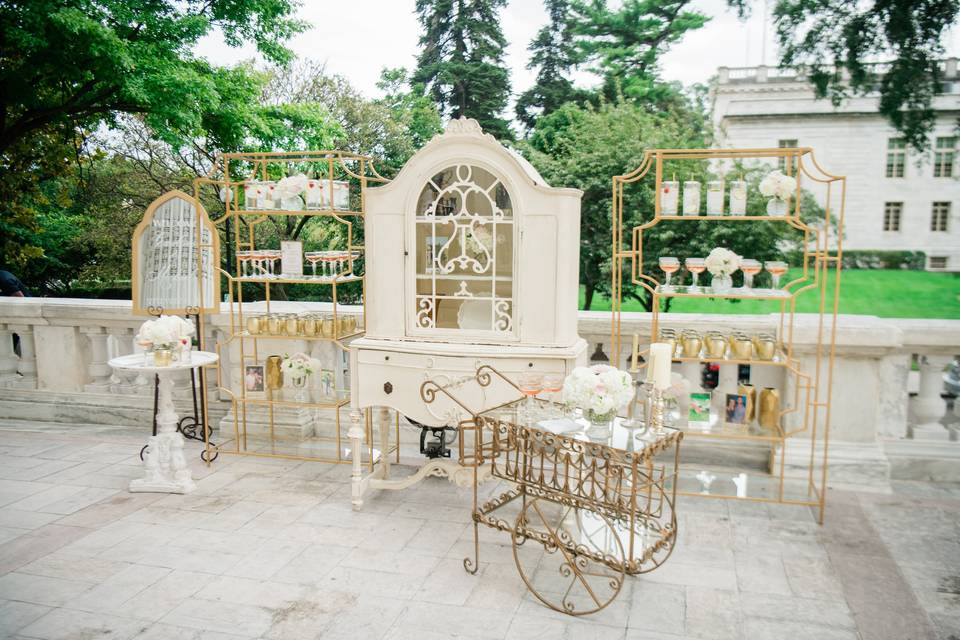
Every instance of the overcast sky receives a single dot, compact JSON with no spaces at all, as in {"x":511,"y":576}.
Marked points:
{"x":358,"y":39}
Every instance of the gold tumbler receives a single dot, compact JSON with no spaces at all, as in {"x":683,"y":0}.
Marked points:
{"x":716,"y":345}
{"x":254,"y":327}
{"x":162,"y":357}
{"x":308,"y":326}
{"x":766,"y":348}
{"x":769,"y":412}
{"x":741,"y":348}
{"x":690,"y":345}
{"x":748,"y":390}
{"x":273,"y":324}
{"x":327,"y":328}
{"x":274,"y":373}
{"x":293,"y":325}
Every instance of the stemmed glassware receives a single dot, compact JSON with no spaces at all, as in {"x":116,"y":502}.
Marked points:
{"x":668,"y":265}
{"x":244,"y":257}
{"x":750,"y":268}
{"x":530,"y":384}
{"x":553,"y":385}
{"x":776,"y":269}
{"x":695,"y":266}
{"x":313,"y":257}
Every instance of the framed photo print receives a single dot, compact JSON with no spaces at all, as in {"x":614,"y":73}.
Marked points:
{"x":699,"y":407}
{"x":735,"y":410}
{"x":254,"y":380}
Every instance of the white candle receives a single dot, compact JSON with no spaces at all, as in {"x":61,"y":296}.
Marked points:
{"x":659,"y":364}
{"x":715,"y":197}
{"x":636,"y":349}
{"x":669,"y":195}
{"x":691,"y":198}
{"x":738,"y":198}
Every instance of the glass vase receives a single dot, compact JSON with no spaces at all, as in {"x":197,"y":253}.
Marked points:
{"x":601,"y":424}
{"x":777,"y":207}
{"x":721,"y":283}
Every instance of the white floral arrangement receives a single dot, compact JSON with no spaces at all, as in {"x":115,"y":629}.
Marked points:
{"x":480,"y":240}
{"x":778,"y":185}
{"x":679,"y":387}
{"x":599,"y":389}
{"x":292,"y":186}
{"x":166,"y":332}
{"x":299,"y":365}
{"x":722,"y":262}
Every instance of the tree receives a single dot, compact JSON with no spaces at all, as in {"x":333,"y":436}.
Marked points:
{"x":70,"y":66}
{"x":623,"y":45}
{"x":584,"y":147}
{"x":553,"y":53}
{"x":830,"y":37}
{"x":461,"y":64}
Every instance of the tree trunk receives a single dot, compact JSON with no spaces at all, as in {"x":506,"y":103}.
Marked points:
{"x":588,"y":296}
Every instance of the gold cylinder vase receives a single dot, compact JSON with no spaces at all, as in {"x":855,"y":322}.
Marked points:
{"x":274,"y":373}
{"x":750,"y":391}
{"x":769,"y":411}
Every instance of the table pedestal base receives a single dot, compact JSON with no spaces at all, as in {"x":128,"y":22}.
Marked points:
{"x":166,"y":467}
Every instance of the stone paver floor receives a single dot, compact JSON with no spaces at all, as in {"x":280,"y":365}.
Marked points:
{"x":271,"y":549}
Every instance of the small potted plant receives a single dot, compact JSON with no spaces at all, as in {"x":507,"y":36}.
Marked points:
{"x":722,"y":264}
{"x":778,"y":187}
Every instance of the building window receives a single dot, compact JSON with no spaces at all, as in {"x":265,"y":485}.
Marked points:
{"x":943,"y":157}
{"x":896,"y":157}
{"x":891,"y":216}
{"x":782,"y":162}
{"x":938,"y":262}
{"x":939,"y":216}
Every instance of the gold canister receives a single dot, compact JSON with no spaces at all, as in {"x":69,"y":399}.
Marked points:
{"x":308,"y":326}
{"x":273,"y":324}
{"x":162,"y":357}
{"x":327,"y":327}
{"x":748,"y":390}
{"x":274,"y":373}
{"x":765,"y":347}
{"x":716,"y":344}
{"x":254,"y":326}
{"x":741,"y":348}
{"x":292,"y":324}
{"x":690,"y":344}
{"x":769,"y":410}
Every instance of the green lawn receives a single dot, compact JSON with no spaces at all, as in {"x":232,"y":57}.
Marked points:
{"x":884,"y":293}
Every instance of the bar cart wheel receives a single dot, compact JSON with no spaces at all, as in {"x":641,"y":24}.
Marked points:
{"x":567,"y":576}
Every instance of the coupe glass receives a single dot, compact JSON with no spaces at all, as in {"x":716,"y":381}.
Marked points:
{"x":695,"y":266}
{"x":750,"y":268}
{"x":775,"y":269}
{"x":553,"y":385}
{"x":669,"y":266}
{"x":530,"y":384}
{"x":244,"y":258}
{"x":313,"y":257}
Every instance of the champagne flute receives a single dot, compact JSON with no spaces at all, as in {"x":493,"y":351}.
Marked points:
{"x":530,"y":385}
{"x":776,"y":269}
{"x":668,"y":265}
{"x":696,"y":266}
{"x":750,"y":268}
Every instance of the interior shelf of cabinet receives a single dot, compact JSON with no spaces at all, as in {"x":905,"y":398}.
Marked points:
{"x":300,"y":280}
{"x":296,"y":212}
{"x":270,"y":336}
{"x":465,"y":277}
{"x":752,"y":486}
{"x":331,"y":403}
{"x":779,"y":360}
{"x":739,"y":293}
{"x":718,"y":429}
{"x":726,"y":217}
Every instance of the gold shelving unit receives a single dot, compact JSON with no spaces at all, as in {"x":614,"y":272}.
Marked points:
{"x":246,"y":230}
{"x":805,"y":413}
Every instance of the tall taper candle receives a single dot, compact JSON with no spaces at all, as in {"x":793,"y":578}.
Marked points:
{"x":636,"y":348}
{"x":661,"y":359}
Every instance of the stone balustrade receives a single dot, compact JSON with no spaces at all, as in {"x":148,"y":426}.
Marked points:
{"x":878,"y":428}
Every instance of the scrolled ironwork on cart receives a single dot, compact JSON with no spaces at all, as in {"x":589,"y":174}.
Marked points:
{"x":598,"y":511}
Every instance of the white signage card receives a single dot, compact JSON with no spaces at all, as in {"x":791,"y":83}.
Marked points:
{"x":291,"y":258}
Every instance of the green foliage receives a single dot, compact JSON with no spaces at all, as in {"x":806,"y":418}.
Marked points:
{"x":909,"y":260}
{"x":553,"y":54}
{"x":623,"y":45}
{"x":461,"y":63}
{"x":584,"y":147}
{"x":828,"y":37}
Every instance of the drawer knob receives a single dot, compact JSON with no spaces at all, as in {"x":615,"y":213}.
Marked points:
{"x":387,"y":388}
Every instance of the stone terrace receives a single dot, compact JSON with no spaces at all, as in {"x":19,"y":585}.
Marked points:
{"x":271,"y":549}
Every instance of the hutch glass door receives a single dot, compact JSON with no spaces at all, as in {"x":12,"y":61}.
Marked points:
{"x":464,"y":254}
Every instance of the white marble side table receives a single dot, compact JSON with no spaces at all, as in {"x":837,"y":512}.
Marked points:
{"x":166,"y":467}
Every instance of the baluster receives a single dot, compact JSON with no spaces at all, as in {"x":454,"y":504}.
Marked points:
{"x":122,"y":381}
{"x":928,"y":408}
{"x":8,"y":358}
{"x":27,"y":364}
{"x":98,"y":369}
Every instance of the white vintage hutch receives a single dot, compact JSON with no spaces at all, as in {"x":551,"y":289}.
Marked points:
{"x":472,"y":259}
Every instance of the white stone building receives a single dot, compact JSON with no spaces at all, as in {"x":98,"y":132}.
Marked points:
{"x":896,"y":200}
